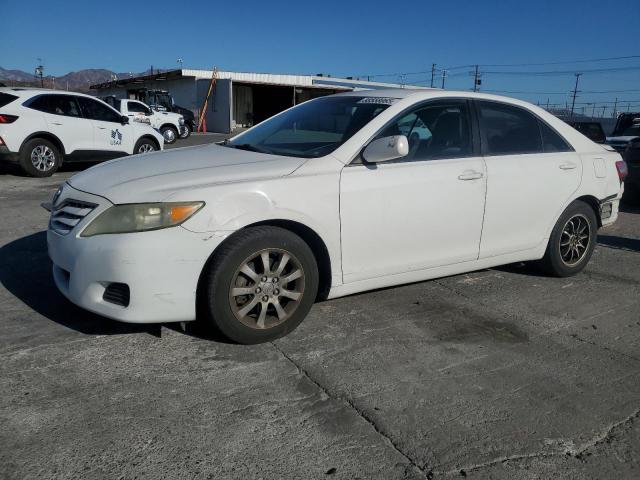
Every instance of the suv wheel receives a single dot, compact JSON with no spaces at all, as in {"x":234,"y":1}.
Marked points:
{"x":40,"y":158}
{"x":260,"y":285}
{"x":144,"y":145}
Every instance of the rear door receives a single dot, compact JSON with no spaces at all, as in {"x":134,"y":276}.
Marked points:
{"x":64,"y":120}
{"x":531,"y":174}
{"x":109,"y":134}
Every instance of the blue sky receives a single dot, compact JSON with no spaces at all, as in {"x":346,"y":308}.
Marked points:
{"x":340,"y":38}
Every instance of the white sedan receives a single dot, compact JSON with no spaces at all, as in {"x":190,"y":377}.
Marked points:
{"x":335,"y":196}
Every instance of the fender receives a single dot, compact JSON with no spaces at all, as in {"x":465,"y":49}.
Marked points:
{"x":47,"y":135}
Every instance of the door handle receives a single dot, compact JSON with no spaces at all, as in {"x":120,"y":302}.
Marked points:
{"x":55,"y":123}
{"x":470,"y":175}
{"x":567,"y":166}
{"x":102,"y":128}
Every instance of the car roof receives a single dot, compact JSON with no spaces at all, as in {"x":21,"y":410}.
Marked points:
{"x":26,"y":92}
{"x":430,"y":93}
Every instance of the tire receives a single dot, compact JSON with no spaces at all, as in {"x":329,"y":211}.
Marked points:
{"x":227,"y":305}
{"x":577,"y":224}
{"x":187,"y":131}
{"x":145,"y":145}
{"x":40,"y":158}
{"x":170,"y":134}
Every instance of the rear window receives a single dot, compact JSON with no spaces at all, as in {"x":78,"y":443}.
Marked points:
{"x":6,"y":99}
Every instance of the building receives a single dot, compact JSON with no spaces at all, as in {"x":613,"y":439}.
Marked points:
{"x":240,"y":99}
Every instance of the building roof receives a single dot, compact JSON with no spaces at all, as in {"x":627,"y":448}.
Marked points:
{"x":317,"y":81}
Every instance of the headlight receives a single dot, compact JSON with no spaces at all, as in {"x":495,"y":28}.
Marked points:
{"x":141,"y":217}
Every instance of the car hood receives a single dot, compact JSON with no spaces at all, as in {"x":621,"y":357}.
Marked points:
{"x":153,"y":177}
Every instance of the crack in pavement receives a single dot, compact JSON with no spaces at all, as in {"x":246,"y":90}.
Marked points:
{"x":604,"y":347}
{"x":424,"y":470}
{"x":567,"y":452}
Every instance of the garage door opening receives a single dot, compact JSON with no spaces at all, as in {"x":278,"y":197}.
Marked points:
{"x":253,"y":103}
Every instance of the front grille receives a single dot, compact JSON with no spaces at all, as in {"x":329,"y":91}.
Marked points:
{"x":117,"y":293}
{"x":68,"y":214}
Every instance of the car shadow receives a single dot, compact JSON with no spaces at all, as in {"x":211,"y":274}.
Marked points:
{"x":25,"y":271}
{"x":620,"y":243}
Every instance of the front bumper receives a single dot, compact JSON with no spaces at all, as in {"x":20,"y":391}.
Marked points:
{"x":161,"y":268}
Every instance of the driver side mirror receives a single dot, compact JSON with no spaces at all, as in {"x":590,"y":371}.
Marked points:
{"x":386,"y":148}
{"x":124,"y":119}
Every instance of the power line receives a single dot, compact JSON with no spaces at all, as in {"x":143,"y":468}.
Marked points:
{"x":548,"y":63}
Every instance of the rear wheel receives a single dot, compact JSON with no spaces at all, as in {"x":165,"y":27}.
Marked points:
{"x":260,"y":285}
{"x":572,"y":241}
{"x":169,"y":133}
{"x":40,"y":158}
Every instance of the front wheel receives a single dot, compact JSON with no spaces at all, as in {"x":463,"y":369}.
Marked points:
{"x":145,"y":145}
{"x":170,"y":134}
{"x":572,"y":241}
{"x":186,"y":132}
{"x":260,"y":284}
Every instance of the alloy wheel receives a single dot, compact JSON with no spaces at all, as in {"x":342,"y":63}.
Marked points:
{"x":43,"y":158}
{"x":575,"y":240}
{"x":267,"y":288}
{"x":146,"y":148}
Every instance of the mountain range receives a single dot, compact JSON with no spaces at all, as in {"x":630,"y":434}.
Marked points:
{"x":78,"y":81}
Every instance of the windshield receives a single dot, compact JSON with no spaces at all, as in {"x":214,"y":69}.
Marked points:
{"x":312,"y":129}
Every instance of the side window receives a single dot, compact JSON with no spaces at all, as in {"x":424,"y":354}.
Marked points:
{"x":40,"y":103}
{"x":65,"y":105}
{"x":552,"y":141}
{"x":509,"y":130}
{"x":437,"y":130}
{"x":138,"y":107}
{"x":95,"y":110}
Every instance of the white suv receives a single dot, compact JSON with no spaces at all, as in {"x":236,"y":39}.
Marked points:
{"x":38,"y":128}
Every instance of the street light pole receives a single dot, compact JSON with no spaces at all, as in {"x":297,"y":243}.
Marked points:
{"x":444,"y":75}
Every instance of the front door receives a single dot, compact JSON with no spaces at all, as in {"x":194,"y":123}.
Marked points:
{"x":109,"y":134}
{"x":421,"y":211}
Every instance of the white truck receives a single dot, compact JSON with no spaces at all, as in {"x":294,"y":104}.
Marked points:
{"x":169,"y":124}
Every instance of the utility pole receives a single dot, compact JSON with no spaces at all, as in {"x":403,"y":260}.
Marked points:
{"x":593,"y":112}
{"x":575,"y":94}
{"x":40,"y":72}
{"x":615,"y":107}
{"x":444,"y":75}
{"x":476,"y":79}
{"x":547,"y":103}
{"x":604,"y":108}
{"x":180,"y":63}
{"x":433,"y":73}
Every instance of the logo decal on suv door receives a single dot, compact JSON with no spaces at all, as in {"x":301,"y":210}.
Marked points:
{"x":116,"y":137}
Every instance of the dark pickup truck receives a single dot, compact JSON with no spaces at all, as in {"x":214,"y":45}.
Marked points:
{"x":626,"y":140}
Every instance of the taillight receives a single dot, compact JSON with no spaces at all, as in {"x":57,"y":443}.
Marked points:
{"x":7,"y":118}
{"x":623,"y":171}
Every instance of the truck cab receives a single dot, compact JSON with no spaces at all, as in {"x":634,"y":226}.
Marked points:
{"x":162,"y":101}
{"x":169,"y":124}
